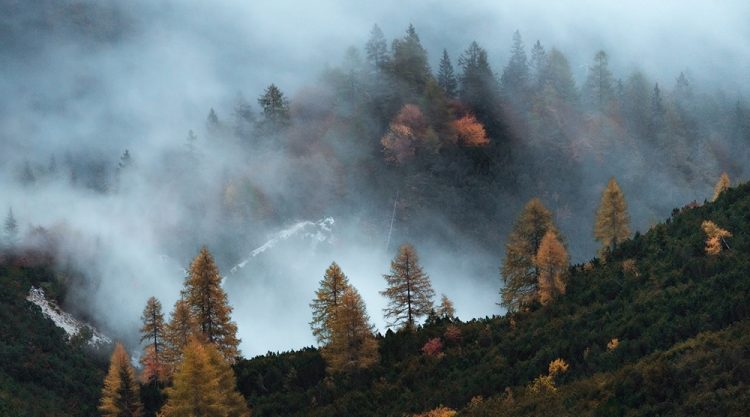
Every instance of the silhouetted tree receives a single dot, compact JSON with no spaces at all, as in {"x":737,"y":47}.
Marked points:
{"x":409,"y":290}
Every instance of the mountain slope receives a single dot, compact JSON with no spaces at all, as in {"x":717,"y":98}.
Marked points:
{"x":659,"y":295}
{"x":40,"y":374}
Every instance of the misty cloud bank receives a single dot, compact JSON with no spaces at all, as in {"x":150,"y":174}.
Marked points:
{"x":81,"y":84}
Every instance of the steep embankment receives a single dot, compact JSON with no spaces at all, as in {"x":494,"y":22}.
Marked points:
{"x":41,"y":373}
{"x":679,"y":317}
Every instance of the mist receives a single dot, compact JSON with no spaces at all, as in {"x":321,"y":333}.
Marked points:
{"x":84,"y":81}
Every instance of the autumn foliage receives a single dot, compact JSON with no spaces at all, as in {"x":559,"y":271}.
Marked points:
{"x":407,"y":133}
{"x":352,"y":344}
{"x":552,"y":263}
{"x":327,"y":299}
{"x":721,"y":186}
{"x":715,"y":237}
{"x":120,"y":396}
{"x":409,"y":290}
{"x":612,"y":219}
{"x":519,"y":271}
{"x":469,"y":132}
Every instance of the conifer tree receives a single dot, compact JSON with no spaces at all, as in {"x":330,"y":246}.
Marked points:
{"x":212,"y":121}
{"x":599,"y":84}
{"x":120,"y":395}
{"x":208,"y":305}
{"x":447,"y":77}
{"x":327,"y":299}
{"x":232,"y":400}
{"x":515,"y":77}
{"x":352,"y":344}
{"x":520,"y":273}
{"x":721,"y":186}
{"x":552,"y":262}
{"x":536,"y":65}
{"x":178,"y":331}
{"x":557,"y":77}
{"x":152,"y":333}
{"x":409,"y":61}
{"x":612,"y":220}
{"x":275,"y":109}
{"x":715,"y":237}
{"x":409,"y":289}
{"x":11,"y":228}
{"x":377,"y":49}
{"x":446,"y":309}
{"x":203,"y":385}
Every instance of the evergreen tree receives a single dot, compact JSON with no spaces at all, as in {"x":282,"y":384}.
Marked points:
{"x":636,"y":104}
{"x":409,"y":290}
{"x":515,"y":77}
{"x":327,"y":299}
{"x":203,"y":385}
{"x":152,"y":333}
{"x":208,"y":305}
{"x":352,"y":344}
{"x":599,"y":83}
{"x":446,"y":76}
{"x":536,"y":65}
{"x":178,"y":331}
{"x":212,"y":122}
{"x":275,"y":109}
{"x":557,"y":77}
{"x":190,"y":142}
{"x":120,"y":395}
{"x":446,"y":309}
{"x":377,"y":49}
{"x":612,"y":220}
{"x":244,"y":118}
{"x":476,"y":74}
{"x":11,"y":228}
{"x":721,"y":186}
{"x":552,"y":263}
{"x":658,"y":113}
{"x":519,"y":271}
{"x":27,"y":176}
{"x":409,"y":61}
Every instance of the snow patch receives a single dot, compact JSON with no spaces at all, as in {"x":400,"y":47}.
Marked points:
{"x":319,"y":231}
{"x":64,"y":320}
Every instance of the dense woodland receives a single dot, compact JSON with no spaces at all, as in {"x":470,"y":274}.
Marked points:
{"x":655,"y":324}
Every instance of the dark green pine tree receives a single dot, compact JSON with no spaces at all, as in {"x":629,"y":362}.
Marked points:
{"x":446,"y":76}
{"x":409,"y":62}
{"x":599,"y":86}
{"x":536,"y":66}
{"x":515,"y":78}
{"x":275,"y":109}
{"x":377,"y":49}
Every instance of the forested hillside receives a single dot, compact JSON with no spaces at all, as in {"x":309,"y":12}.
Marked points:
{"x":660,"y":328}
{"x":413,"y":218}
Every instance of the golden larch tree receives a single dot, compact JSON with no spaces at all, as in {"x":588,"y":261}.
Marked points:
{"x":446,"y":309}
{"x":120,"y":395}
{"x":721,"y":186}
{"x":327,"y":299}
{"x":208,"y":305}
{"x":152,"y":332}
{"x":552,"y":262}
{"x":715,"y":237}
{"x":612,"y":221}
{"x":409,"y":290}
{"x":520,"y":273}
{"x":203,"y":385}
{"x":352,"y":345}
{"x":179,"y":330}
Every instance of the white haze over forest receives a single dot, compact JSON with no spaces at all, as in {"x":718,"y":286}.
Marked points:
{"x":174,"y":60}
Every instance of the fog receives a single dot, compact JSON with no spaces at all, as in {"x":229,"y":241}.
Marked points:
{"x":138,"y":75}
